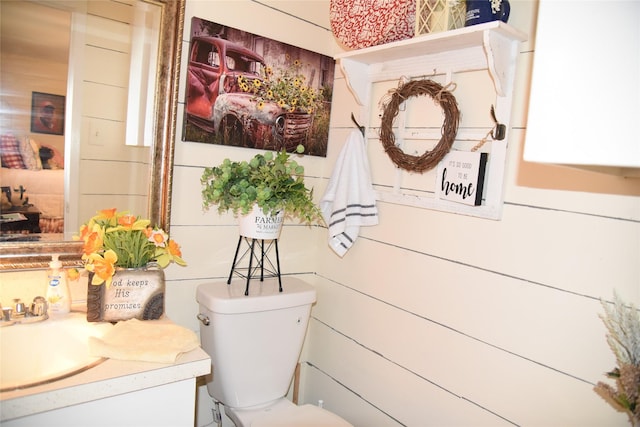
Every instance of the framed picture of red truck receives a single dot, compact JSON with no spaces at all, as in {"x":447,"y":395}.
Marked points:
{"x":250,"y":91}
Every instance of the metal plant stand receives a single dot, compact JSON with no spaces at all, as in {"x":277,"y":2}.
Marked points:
{"x":262,"y":262}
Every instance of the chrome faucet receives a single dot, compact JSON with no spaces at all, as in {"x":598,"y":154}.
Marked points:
{"x":19,"y":309}
{"x":21,"y":313}
{"x":6,"y":314}
{"x":39,"y":307}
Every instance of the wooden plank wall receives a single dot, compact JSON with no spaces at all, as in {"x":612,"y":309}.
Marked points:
{"x":23,"y":72}
{"x":432,"y":319}
{"x":435,"y":319}
{"x":111,"y":173}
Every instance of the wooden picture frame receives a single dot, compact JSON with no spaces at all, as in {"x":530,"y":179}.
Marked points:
{"x":47,"y":113}
{"x":246,"y":90}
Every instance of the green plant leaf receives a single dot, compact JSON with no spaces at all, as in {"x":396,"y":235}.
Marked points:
{"x":274,"y":182}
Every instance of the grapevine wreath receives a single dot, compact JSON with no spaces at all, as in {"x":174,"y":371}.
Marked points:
{"x":447,"y":102}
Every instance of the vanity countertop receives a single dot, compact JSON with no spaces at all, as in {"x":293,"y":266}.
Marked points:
{"x":110,"y":378}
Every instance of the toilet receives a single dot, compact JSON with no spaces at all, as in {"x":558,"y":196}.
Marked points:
{"x":254,"y":343}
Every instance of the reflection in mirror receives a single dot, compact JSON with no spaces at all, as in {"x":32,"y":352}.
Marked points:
{"x":116,"y":153}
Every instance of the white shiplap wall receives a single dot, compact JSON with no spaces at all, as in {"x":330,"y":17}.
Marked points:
{"x":110,"y":173}
{"x":22,"y":72}
{"x":432,"y":319}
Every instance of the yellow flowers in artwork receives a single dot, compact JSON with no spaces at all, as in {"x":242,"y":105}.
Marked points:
{"x":288,"y":89}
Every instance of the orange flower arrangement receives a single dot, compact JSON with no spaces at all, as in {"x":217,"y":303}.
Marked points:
{"x":119,"y":239}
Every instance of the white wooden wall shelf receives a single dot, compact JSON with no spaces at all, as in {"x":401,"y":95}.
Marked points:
{"x":492,"y":46}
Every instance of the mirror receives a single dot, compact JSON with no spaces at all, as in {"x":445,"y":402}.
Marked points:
{"x":36,"y":254}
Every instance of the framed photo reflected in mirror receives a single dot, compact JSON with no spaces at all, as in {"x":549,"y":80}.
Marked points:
{"x":47,"y":113}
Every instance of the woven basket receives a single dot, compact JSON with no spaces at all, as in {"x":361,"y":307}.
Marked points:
{"x":362,"y":23}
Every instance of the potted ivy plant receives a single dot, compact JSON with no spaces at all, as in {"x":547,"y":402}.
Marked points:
{"x":270,"y":184}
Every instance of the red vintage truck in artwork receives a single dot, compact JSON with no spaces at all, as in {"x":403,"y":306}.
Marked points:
{"x":220,"y":78}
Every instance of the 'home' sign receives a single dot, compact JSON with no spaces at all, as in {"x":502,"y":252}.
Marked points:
{"x":460,"y":177}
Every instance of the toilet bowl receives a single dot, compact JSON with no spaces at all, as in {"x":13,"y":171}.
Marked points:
{"x":254,"y":342}
{"x":284,"y":413}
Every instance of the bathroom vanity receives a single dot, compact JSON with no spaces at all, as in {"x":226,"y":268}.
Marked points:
{"x":114,"y":392}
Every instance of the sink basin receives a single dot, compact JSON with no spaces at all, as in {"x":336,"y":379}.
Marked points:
{"x":37,"y":353}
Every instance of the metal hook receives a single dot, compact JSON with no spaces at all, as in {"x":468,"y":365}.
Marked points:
{"x":361,"y":128}
{"x":500,"y":130}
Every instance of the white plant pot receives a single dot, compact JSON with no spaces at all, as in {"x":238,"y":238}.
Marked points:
{"x":257,"y":225}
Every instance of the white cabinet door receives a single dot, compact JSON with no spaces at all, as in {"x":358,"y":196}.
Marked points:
{"x":585,"y":90}
{"x":168,"y":405}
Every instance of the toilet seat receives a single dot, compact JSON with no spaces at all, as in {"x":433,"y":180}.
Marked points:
{"x":300,"y":416}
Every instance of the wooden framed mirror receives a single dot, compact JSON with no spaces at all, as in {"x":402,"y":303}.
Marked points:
{"x":36,"y":254}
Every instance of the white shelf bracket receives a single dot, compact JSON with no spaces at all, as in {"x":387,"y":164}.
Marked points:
{"x":501,"y":55}
{"x":359,"y":87}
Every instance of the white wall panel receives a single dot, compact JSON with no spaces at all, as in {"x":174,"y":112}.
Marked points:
{"x":397,"y":391}
{"x":341,"y":400}
{"x":432,"y":318}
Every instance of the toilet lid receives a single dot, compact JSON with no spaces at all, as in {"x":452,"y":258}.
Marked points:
{"x":300,"y":416}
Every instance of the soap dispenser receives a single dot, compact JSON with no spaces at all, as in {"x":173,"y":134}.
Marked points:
{"x":57,"y":289}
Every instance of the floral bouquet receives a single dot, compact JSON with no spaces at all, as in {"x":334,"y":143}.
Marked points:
{"x":119,"y":239}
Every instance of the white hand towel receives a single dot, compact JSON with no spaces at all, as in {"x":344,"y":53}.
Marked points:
{"x":148,"y":341}
{"x":349,"y":201}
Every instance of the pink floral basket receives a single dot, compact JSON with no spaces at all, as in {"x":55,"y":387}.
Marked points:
{"x":362,"y":23}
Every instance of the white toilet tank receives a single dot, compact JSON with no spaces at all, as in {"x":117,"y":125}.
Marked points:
{"x":254,"y":341}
